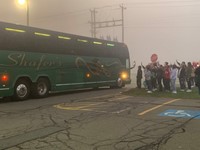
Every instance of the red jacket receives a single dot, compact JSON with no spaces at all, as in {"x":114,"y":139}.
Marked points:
{"x":167,"y":73}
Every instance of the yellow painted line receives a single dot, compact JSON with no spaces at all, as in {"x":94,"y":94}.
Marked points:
{"x":89,"y":105}
{"x":120,"y":98}
{"x":97,"y":97}
{"x":86,"y":107}
{"x":156,"y":107}
{"x":62,"y":106}
{"x":120,"y":111}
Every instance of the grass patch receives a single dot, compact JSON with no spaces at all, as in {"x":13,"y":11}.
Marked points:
{"x":182,"y":95}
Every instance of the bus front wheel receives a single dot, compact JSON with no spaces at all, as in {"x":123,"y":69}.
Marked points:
{"x":41,"y":88}
{"x":21,"y":90}
{"x":119,"y":83}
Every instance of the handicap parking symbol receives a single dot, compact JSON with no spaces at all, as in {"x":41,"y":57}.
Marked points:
{"x":181,"y":113}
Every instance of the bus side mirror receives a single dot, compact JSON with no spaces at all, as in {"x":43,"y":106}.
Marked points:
{"x":133,"y":66}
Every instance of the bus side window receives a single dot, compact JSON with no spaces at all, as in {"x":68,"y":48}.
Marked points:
{"x":15,"y":40}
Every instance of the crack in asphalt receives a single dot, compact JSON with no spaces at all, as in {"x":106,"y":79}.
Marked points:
{"x":147,"y":134}
{"x":165,"y":138}
{"x":19,"y":139}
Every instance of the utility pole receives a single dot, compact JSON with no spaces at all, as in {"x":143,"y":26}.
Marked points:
{"x":122,"y":8}
{"x":93,"y":20}
{"x":106,"y":24}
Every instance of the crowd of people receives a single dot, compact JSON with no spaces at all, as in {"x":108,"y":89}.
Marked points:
{"x":164,"y":77}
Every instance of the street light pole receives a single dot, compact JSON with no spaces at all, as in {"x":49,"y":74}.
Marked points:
{"x":25,"y":3}
{"x":27,"y":12}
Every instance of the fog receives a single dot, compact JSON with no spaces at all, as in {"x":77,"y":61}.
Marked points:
{"x":169,"y":28}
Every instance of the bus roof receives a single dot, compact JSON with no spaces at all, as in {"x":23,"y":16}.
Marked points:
{"x":24,"y":38}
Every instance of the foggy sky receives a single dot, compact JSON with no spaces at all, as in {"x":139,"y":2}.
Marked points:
{"x":169,"y":28}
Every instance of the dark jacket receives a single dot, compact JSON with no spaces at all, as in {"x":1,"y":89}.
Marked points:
{"x":197,"y":76}
{"x":139,"y":74}
{"x":182,"y":73}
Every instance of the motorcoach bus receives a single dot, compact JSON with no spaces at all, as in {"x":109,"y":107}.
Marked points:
{"x":35,"y":62}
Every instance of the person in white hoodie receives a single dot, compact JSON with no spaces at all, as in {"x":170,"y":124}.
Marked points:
{"x":173,"y":76}
{"x":147,"y":75}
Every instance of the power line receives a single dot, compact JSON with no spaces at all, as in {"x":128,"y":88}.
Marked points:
{"x":95,"y":25}
{"x":162,"y":2}
{"x":157,"y":27}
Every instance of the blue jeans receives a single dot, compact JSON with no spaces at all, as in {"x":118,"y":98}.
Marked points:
{"x":173,"y":84}
{"x":182,"y":83}
{"x":149,"y":86}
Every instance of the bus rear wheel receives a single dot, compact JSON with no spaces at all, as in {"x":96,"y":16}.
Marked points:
{"x":21,"y":90}
{"x":41,"y":88}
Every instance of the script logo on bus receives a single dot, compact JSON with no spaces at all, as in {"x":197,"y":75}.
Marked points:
{"x":95,"y":66}
{"x":22,"y":60}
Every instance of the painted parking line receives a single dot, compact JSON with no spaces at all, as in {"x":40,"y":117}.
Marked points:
{"x":156,"y":107}
{"x":91,"y":106}
{"x":119,"y":98}
{"x":81,"y":107}
{"x":122,"y":110}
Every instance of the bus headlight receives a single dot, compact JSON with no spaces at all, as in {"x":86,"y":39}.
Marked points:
{"x":124,"y":75}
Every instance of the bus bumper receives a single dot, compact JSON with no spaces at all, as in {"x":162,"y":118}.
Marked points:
{"x":5,"y":92}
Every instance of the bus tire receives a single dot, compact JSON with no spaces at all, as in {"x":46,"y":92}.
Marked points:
{"x":41,"y":88}
{"x":21,"y":90}
{"x":119,"y":83}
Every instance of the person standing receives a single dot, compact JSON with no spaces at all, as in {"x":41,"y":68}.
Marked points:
{"x":182,"y":76}
{"x":139,"y":77}
{"x":193,"y":76}
{"x":197,"y":77}
{"x":189,"y":76}
{"x":173,"y":75}
{"x":166,"y":78}
{"x":147,"y":75}
{"x":154,"y":77}
{"x":160,"y":73}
